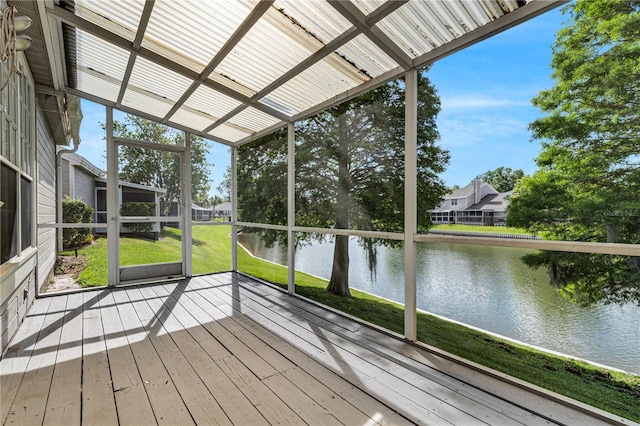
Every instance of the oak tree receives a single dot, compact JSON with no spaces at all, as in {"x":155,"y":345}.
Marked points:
{"x":161,"y":169}
{"x":587,"y":185}
{"x":349,"y":172}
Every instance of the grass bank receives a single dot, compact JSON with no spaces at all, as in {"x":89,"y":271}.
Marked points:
{"x":481,"y":228}
{"x":608,"y":390}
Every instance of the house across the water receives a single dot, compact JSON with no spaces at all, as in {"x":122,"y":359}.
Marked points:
{"x":475,"y":204}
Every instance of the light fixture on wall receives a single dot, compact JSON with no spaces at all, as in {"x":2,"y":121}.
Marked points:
{"x":20,"y":23}
{"x":11,"y":41}
{"x":11,"y":25}
{"x":20,"y":42}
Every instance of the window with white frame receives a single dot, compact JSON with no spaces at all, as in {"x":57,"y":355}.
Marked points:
{"x":16,"y":162}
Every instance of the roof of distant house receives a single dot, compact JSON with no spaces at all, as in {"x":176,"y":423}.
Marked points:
{"x":226,"y":206}
{"x":79,"y":160}
{"x":492,"y":202}
{"x":465,"y":191}
{"x":101,"y":176}
{"x":194,"y":206}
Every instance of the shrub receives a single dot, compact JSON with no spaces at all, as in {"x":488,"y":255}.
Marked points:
{"x":75,"y":211}
{"x":138,"y":208}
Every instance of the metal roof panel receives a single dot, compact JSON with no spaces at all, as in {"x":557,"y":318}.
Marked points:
{"x":100,"y":56}
{"x":98,"y":85}
{"x":148,"y":102}
{"x":191,"y":118}
{"x":211,"y":102}
{"x":306,"y":53}
{"x":158,"y":80}
{"x":319,"y":82}
{"x":272,"y":47}
{"x":229,"y":132}
{"x":118,"y":16}
{"x":253,"y":119}
{"x":316,"y":17}
{"x":174,"y":27}
{"x":366,"y":57}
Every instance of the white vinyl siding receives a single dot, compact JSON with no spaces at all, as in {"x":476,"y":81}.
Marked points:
{"x":46,"y":200}
{"x":84,"y":187}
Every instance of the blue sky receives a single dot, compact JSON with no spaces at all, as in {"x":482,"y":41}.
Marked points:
{"x":486,"y":93}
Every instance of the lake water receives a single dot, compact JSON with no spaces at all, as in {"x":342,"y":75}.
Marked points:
{"x":489,"y":288}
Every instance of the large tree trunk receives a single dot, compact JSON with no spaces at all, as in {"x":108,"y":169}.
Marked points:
{"x":339,"y":282}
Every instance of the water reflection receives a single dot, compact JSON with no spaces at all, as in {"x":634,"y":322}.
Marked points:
{"x":490,"y":288}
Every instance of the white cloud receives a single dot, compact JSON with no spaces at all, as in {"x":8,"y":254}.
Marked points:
{"x":478,"y":101}
{"x":480,"y":129}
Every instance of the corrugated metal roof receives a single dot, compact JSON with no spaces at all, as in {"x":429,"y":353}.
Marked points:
{"x":230,"y":69}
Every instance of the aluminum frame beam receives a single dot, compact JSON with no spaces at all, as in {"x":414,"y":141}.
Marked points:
{"x":235,"y":38}
{"x":410,"y":203}
{"x":137,"y":42}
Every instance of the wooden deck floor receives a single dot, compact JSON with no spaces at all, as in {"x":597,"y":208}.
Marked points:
{"x":224,"y":349}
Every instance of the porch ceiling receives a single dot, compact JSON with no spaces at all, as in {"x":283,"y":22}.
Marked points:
{"x":232,"y":71}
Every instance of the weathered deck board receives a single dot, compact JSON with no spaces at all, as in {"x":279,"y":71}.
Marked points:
{"x":240,"y":341}
{"x":63,"y":405}
{"x":201,"y":404}
{"x":98,"y":400}
{"x":167,"y":404}
{"x":31,"y":398}
{"x":430,"y":380}
{"x":420,"y":406}
{"x":14,"y":363}
{"x":270,"y":406}
{"x":194,"y":345}
{"x":131,"y":397}
{"x":527,"y":407}
{"x":225,"y":349}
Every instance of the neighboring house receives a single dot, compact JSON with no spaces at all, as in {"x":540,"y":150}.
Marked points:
{"x":201,"y":213}
{"x":81,"y":179}
{"x":475,"y":204}
{"x":223,"y":210}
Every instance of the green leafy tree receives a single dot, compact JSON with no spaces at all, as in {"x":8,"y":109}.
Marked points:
{"x":161,"y":169}
{"x":349,"y":171}
{"x":224,"y":189}
{"x":75,"y":211}
{"x":502,"y":179}
{"x":587,"y":185}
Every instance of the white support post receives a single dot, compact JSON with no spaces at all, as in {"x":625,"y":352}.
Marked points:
{"x":291,"y":207}
{"x":410,"y":203}
{"x":113,"y":206}
{"x":234,"y":209}
{"x":186,"y":199}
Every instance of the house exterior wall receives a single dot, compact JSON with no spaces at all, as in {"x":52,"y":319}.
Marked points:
{"x":46,"y":200}
{"x":18,"y":269}
{"x":84,"y":187}
{"x":468,"y":201}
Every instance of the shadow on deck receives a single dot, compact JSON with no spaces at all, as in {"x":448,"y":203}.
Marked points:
{"x":225,"y":349}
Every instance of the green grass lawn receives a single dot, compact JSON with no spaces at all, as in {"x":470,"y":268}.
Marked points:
{"x":480,"y":228}
{"x":609,"y":390}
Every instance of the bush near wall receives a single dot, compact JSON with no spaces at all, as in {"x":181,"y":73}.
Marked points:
{"x":138,"y":208}
{"x":75,"y":211}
